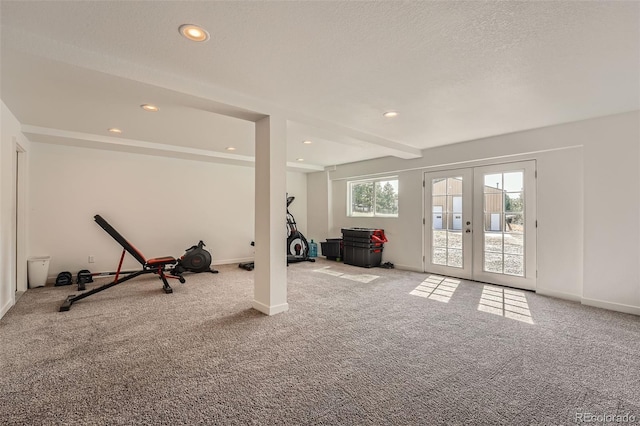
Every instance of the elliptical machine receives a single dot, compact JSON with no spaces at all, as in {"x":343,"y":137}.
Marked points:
{"x":297,"y":245}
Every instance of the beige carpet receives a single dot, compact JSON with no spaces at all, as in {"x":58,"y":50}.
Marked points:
{"x":352,"y":349}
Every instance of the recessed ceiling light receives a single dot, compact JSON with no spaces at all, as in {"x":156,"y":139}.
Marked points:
{"x":390,"y":114}
{"x":149,"y":107}
{"x":115,"y":130}
{"x":194,"y":32}
{"x":230,"y":148}
{"x":300,"y":159}
{"x":307,"y":142}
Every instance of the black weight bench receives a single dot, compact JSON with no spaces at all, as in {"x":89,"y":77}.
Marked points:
{"x":157,"y":265}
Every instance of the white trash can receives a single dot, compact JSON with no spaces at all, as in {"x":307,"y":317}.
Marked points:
{"x":38,"y":270}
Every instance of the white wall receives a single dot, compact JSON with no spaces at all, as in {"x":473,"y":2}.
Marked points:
{"x":10,"y":135}
{"x":586,"y":251}
{"x":319,"y":190}
{"x":404,"y":248}
{"x":161,"y":205}
{"x":612,"y":170}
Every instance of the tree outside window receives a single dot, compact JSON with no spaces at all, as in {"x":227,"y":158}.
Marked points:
{"x":362,"y":197}
{"x":386,"y":198}
{"x":374,"y":198}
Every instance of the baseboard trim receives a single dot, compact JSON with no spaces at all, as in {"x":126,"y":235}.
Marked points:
{"x":559,"y":294}
{"x":230,"y":261}
{"x":612,"y":306}
{"x":270,"y":310}
{"x":6,"y":308}
{"x":407,"y":268}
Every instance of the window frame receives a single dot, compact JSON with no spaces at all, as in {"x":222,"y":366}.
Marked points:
{"x":373,"y":181}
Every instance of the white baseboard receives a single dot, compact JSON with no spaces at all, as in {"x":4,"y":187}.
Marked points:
{"x":270,"y":310}
{"x":612,"y":306}
{"x":407,"y":268}
{"x":229,"y":261}
{"x":559,"y":294}
{"x":6,"y":307}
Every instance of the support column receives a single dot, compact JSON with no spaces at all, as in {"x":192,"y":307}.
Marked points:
{"x":319,"y":207}
{"x":270,"y":287}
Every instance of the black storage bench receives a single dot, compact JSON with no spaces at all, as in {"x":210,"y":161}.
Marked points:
{"x":363,"y":246}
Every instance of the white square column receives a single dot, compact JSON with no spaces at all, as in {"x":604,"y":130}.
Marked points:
{"x":270,"y":286}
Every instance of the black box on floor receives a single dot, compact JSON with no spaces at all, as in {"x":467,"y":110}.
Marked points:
{"x":358,"y":242}
{"x":358,"y":232}
{"x":357,"y":239}
{"x":365,"y":257}
{"x":362,"y":244}
{"x":332,"y":248}
{"x":364,"y":235}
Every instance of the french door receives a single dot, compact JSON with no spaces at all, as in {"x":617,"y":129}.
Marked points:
{"x":480,"y":224}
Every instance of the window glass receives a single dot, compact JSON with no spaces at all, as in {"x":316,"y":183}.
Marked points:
{"x":362,"y":199}
{"x":387,"y":197}
{"x":373,"y":198}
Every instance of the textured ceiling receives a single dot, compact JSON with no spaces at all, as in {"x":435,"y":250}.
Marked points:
{"x":455,"y":71}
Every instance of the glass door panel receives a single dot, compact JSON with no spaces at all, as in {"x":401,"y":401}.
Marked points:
{"x":448,"y":198}
{"x":505,"y":247}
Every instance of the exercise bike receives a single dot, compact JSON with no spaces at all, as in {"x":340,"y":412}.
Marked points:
{"x":297,"y":245}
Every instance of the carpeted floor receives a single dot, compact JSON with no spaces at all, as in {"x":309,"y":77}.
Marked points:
{"x":348,"y":352}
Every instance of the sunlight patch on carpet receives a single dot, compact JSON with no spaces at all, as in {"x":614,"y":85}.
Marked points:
{"x":436,"y":287}
{"x":362,"y":278}
{"x":505,"y":302}
{"x":327,"y":271}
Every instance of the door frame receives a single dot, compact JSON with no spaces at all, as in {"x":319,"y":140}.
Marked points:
{"x":19,"y":200}
{"x":476,"y":254}
{"x":528,"y":281}
{"x":466,"y":271}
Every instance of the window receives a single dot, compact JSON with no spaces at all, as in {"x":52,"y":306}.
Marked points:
{"x":373,"y":198}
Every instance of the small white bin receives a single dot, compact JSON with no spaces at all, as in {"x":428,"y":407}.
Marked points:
{"x":38,"y":270}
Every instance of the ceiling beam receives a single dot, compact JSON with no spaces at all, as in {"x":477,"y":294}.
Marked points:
{"x":220,"y":100}
{"x":88,"y":140}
